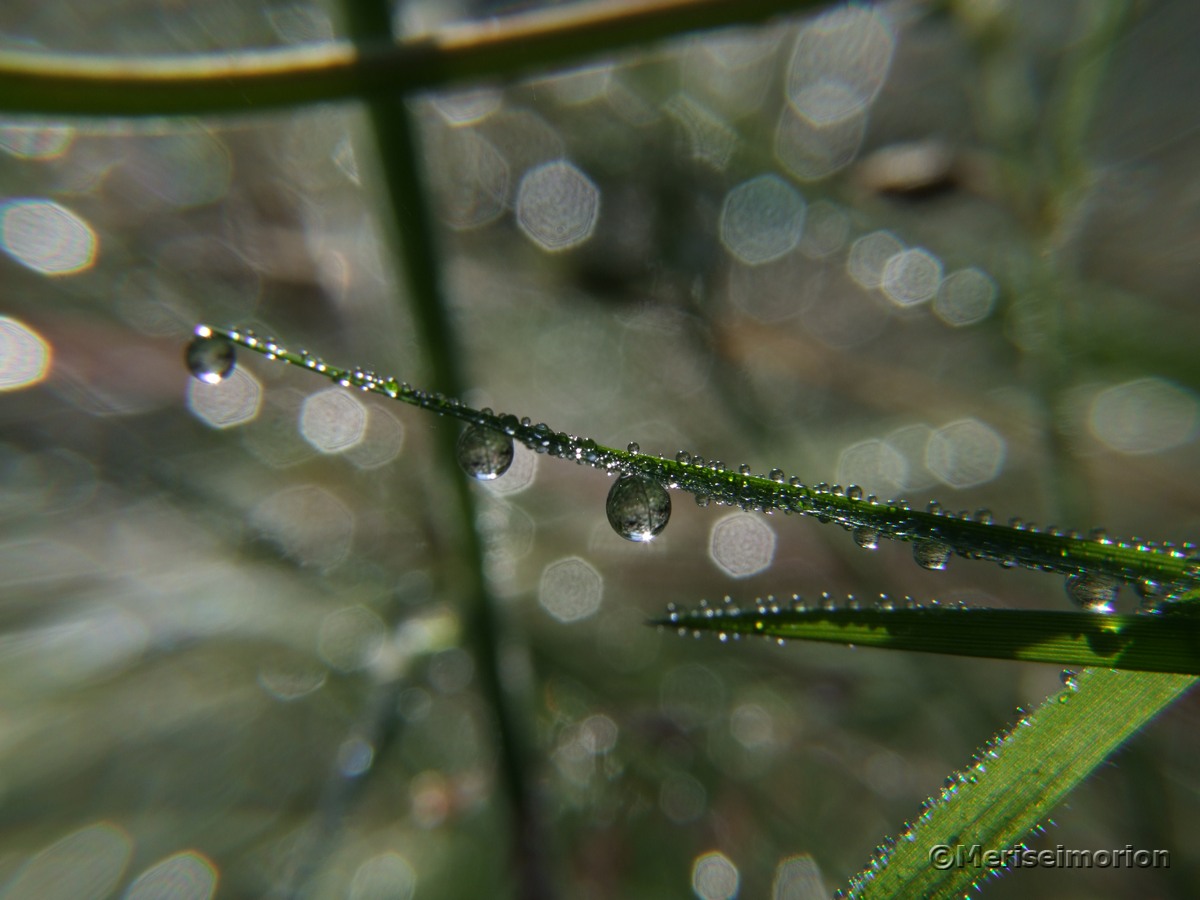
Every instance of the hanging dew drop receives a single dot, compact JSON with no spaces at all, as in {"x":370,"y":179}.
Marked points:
{"x":638,"y":508}
{"x":1095,"y":593}
{"x":866,"y":537}
{"x":484,"y":454}
{"x":209,"y":357}
{"x":932,"y":555}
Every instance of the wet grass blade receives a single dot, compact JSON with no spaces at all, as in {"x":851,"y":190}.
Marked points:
{"x":1014,"y":784}
{"x":1166,"y":642}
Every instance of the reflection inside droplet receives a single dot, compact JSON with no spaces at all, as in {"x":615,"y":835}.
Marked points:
{"x":484,"y":454}
{"x":932,"y":555}
{"x":638,"y":508}
{"x":1095,"y":593}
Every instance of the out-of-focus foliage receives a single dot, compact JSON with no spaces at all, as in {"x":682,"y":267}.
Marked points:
{"x":922,"y":250}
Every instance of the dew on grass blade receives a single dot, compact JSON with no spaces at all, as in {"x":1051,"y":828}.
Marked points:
{"x":932,"y":555}
{"x":638,"y":507}
{"x":484,"y":454}
{"x":866,"y":537}
{"x":209,"y":356}
{"x":1070,"y":679}
{"x":1095,"y":593}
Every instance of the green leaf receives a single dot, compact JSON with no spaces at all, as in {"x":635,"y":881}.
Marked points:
{"x":1014,"y":784}
{"x":1164,"y":642}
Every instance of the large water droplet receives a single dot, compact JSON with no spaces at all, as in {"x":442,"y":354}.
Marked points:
{"x":1095,"y":593}
{"x":638,"y":507}
{"x":210,"y":357}
{"x":932,"y":555}
{"x":866,"y":537}
{"x":483,"y":453}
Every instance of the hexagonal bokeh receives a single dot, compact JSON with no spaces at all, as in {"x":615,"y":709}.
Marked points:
{"x":231,"y":402}
{"x":715,"y":877}
{"x":762,"y":219}
{"x":47,"y":237}
{"x":557,"y":206}
{"x":24,"y":355}
{"x":911,"y":277}
{"x":869,"y":256}
{"x":965,"y":453}
{"x":570,"y":590}
{"x":333,"y":420}
{"x":742,"y":544}
{"x":1146,"y":415}
{"x":965,"y":297}
{"x":839,"y":63}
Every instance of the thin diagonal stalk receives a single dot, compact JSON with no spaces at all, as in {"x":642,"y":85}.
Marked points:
{"x":401,"y":170}
{"x":1162,"y":571}
{"x":250,"y":81}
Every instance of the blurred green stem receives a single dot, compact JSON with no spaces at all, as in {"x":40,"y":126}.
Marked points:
{"x":250,"y":81}
{"x":410,"y":220}
{"x":1066,"y":185}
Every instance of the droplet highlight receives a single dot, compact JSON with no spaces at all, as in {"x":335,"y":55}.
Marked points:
{"x":638,"y":508}
{"x":210,"y":357}
{"x":484,"y":454}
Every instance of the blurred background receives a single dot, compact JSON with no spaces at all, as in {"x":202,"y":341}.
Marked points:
{"x":942,"y":250}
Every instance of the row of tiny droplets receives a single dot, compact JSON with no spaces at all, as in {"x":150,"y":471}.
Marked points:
{"x":770,"y":606}
{"x":1159,"y":571}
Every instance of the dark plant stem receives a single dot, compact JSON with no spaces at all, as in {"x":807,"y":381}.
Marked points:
{"x":410,"y":219}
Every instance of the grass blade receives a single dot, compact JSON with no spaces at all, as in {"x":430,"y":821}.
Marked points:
{"x":1168,"y":642}
{"x":1015,"y":783}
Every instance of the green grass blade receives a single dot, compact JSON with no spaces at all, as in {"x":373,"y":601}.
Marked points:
{"x":1015,"y":783}
{"x":1162,"y":571}
{"x":1168,"y":642}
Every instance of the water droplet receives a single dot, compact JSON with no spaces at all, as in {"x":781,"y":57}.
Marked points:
{"x":483,"y":453}
{"x":1070,"y":679}
{"x":932,"y":555}
{"x":638,"y":507}
{"x":983,"y":516}
{"x":1095,"y":593}
{"x":854,"y":492}
{"x":866,"y":537}
{"x":702,"y":500}
{"x":633,"y":447}
{"x":683,"y":457}
{"x":1151,"y":592}
{"x":744,"y":469}
{"x":209,"y":357}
